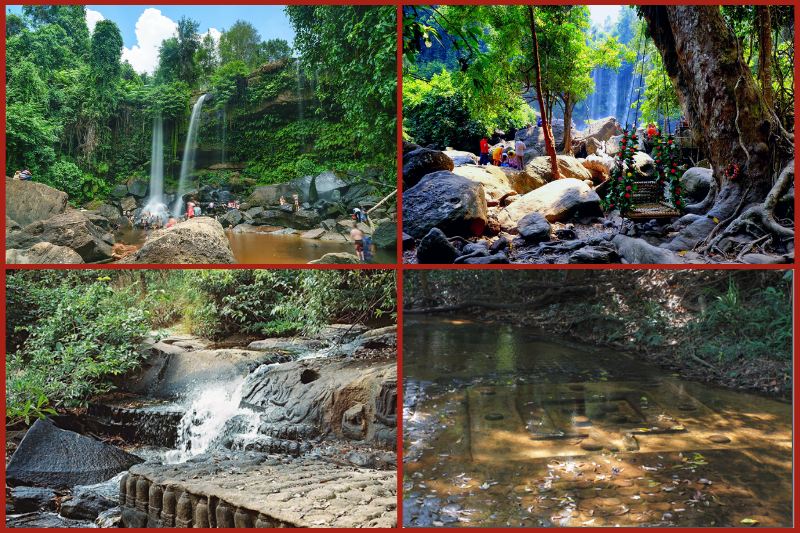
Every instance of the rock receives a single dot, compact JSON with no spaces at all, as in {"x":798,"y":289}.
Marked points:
{"x":639,"y":251}
{"x":494,"y":181}
{"x":28,"y":201}
{"x":696,"y":183}
{"x":422,"y":161}
{"x":301,"y":219}
{"x":408,"y":241}
{"x":109,"y":211}
{"x":522,"y":181}
{"x":557,"y":201}
{"x":534,"y":228}
{"x":27,"y":499}
{"x":119,"y":191}
{"x":493,"y":259}
{"x":11,"y":226}
{"x":763,"y":259}
{"x":385,"y":235}
{"x":89,"y":501}
{"x":719,"y":439}
{"x":313,"y":233}
{"x":446,"y":201}
{"x":568,"y":167}
{"x":593,"y":255}
{"x":691,"y":235}
{"x":461,"y":158}
{"x":593,"y":145}
{"x":138,"y":188}
{"x":338,"y":333}
{"x":199,"y":240}
{"x":110,"y":518}
{"x":601,"y":129}
{"x":338,"y":258}
{"x":599,"y":167}
{"x":44,"y":520}
{"x":269,"y":195}
{"x":614,"y":144}
{"x":52,"y":457}
{"x":72,"y":229}
{"x":591,"y":446}
{"x":232,"y":218}
{"x":434,"y":248}
{"x":325,"y":186}
{"x":644,"y":165}
{"x":44,"y":253}
{"x":128,"y":204}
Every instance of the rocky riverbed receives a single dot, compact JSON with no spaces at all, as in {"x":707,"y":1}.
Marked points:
{"x":456,"y":211}
{"x":41,"y":227}
{"x":295,"y":432}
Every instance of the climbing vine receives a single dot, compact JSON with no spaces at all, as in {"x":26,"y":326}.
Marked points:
{"x":622,"y":184}
{"x":665,"y":155}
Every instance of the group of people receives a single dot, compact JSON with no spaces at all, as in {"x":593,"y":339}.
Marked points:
{"x":503,"y":156}
{"x":24,"y":175}
{"x":295,"y":200}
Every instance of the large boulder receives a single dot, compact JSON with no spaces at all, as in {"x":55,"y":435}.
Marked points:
{"x":199,"y":240}
{"x":29,"y":499}
{"x":522,"y":181}
{"x":697,"y":182}
{"x":602,"y":129}
{"x":614,"y":145}
{"x":417,"y":163}
{"x":434,"y":248}
{"x":138,"y":188}
{"x":557,"y":201}
{"x":495,"y":182}
{"x":49,"y":456}
{"x":599,"y":166}
{"x":269,"y":195}
{"x":301,"y":219}
{"x":43,"y":253}
{"x":28,"y":201}
{"x":568,"y":167}
{"x":89,"y":501}
{"x":446,"y":201}
{"x":72,"y":229}
{"x":461,"y":158}
{"x":534,"y":228}
{"x":385,"y":235}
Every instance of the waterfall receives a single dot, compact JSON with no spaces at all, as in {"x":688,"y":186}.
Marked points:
{"x":208,"y":419}
{"x":187,"y":165}
{"x":155,"y":201}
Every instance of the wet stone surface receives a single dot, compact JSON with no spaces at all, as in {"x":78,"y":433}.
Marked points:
{"x":587,"y":438}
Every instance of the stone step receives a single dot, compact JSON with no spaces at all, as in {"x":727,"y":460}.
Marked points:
{"x":246,"y":490}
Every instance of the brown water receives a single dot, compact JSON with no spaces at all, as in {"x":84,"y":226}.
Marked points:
{"x":264,"y":248}
{"x":506,"y":428}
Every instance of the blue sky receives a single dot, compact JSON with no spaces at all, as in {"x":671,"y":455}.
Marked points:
{"x":144,"y":27}
{"x":600,"y":13}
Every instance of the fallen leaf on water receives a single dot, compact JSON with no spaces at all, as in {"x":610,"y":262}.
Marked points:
{"x":749,"y":521}
{"x":716,"y":220}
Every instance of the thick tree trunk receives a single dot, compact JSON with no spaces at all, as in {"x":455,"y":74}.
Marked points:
{"x":549,"y":144}
{"x":764,"y":25}
{"x":719,"y":95}
{"x":568,"y":106}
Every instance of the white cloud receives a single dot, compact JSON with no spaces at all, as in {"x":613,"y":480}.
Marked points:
{"x":152,"y":29}
{"x":92,"y":18}
{"x":215,"y":34}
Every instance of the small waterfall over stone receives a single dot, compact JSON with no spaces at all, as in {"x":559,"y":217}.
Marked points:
{"x":211,"y":415}
{"x":155,"y":201}
{"x":187,"y":165}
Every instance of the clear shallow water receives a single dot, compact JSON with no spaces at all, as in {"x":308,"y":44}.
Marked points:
{"x":504,"y":427}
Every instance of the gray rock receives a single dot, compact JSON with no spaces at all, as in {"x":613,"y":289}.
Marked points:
{"x":434,"y":248}
{"x":89,"y":501}
{"x":534,"y":228}
{"x":639,"y":251}
{"x":44,"y":253}
{"x":421,"y":162}
{"x":27,"y":499}
{"x":52,"y":457}
{"x":594,"y":255}
{"x":138,"y":188}
{"x":28,"y":201}
{"x":408,"y":241}
{"x":498,"y":258}
{"x":568,"y":167}
{"x":110,"y":518}
{"x":199,"y":240}
{"x":44,"y":520}
{"x":72,"y":229}
{"x":696,"y":183}
{"x":232,"y":218}
{"x":461,"y":158}
{"x":385,"y":235}
{"x":557,"y":201}
{"x":446,"y":201}
{"x":119,"y":191}
{"x":602,"y":129}
{"x":128,"y":204}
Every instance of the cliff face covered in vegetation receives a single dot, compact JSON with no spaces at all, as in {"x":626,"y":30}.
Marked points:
{"x":81,"y":119}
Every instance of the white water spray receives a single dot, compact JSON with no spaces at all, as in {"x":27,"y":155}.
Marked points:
{"x":189,"y":150}
{"x":155,"y":201}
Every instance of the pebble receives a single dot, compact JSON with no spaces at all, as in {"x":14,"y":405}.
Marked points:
{"x":494,"y":416}
{"x":719,"y":439}
{"x":591,"y":446}
{"x":581,"y":420}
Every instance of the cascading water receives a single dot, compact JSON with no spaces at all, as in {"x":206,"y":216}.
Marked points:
{"x":189,"y":149}
{"x":155,"y":202}
{"x":208,"y":418}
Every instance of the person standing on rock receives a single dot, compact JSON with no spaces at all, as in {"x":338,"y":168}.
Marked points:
{"x":296,"y":198}
{"x":190,"y":210}
{"x":197,"y":210}
{"x":519,"y":148}
{"x":484,"y":160}
{"x":358,"y":241}
{"x":497,"y":155}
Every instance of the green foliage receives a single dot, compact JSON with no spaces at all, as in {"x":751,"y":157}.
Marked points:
{"x":242,"y":42}
{"x":75,"y":337}
{"x":622,"y":182}
{"x":80,"y":186}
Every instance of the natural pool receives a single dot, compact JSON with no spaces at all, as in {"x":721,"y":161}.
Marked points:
{"x":508,"y":427}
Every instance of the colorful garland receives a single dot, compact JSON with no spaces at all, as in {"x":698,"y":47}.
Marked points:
{"x":622,"y":184}
{"x":665,"y":154}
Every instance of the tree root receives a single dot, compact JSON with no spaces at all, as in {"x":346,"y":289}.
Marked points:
{"x":760,"y":218}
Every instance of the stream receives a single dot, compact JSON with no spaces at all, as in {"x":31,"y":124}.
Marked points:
{"x":509,"y":427}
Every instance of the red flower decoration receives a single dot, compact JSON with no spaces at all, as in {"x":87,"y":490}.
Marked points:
{"x":627,"y":195}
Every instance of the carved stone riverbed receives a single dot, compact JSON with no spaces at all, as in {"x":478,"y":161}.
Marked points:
{"x":509,"y":428}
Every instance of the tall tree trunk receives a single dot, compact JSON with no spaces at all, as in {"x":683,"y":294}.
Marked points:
{"x":568,"y":106}
{"x":549,"y":144}
{"x":719,"y":95}
{"x":764,"y":24}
